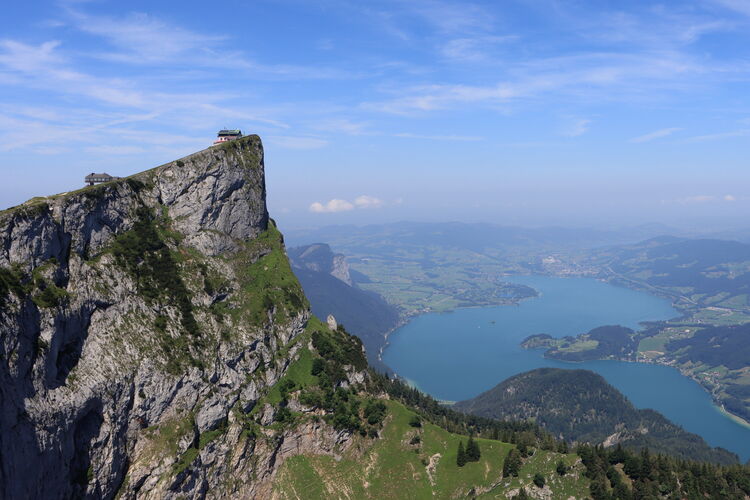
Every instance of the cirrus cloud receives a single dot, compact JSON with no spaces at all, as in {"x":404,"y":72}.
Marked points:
{"x":665,"y":132}
{"x":702,"y":198}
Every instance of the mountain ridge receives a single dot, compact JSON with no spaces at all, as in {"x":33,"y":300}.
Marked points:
{"x":580,"y":406}
{"x":143,"y":323}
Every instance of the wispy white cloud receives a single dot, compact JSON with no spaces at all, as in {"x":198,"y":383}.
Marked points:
{"x":114,"y":150}
{"x":366,"y":201}
{"x":451,"y":17}
{"x":340,"y":125}
{"x":658,"y":134}
{"x":720,"y":136}
{"x":474,"y":49}
{"x":434,"y":97}
{"x":595,"y":76}
{"x":576,"y":127}
{"x":702,"y":198}
{"x":24,"y":58}
{"x":293,"y":142}
{"x":19,"y":132}
{"x":325,"y":44}
{"x":741,"y":6}
{"x":332,"y":206}
{"x":43,"y":66}
{"x":141,"y":38}
{"x":102,"y":103}
{"x":340,"y":205}
{"x":460,"y":138}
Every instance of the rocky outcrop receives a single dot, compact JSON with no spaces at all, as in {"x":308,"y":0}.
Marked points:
{"x":320,"y":258}
{"x":140,"y":323}
{"x":327,"y":282}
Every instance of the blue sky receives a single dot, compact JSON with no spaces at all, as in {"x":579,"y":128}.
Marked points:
{"x":515,"y":112}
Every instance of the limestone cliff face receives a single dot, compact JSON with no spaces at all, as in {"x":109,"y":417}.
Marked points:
{"x":320,"y":258}
{"x":141,"y":321}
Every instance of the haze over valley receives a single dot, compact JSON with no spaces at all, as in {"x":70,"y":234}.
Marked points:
{"x":375,"y":250}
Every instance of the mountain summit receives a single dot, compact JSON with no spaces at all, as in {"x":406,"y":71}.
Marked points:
{"x":142,"y":322}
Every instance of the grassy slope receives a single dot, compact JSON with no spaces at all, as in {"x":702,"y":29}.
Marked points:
{"x":391,"y":467}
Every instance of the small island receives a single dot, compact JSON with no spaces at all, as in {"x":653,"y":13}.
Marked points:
{"x":604,"y":342}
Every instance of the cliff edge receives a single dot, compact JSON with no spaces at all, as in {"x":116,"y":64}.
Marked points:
{"x":143,"y":323}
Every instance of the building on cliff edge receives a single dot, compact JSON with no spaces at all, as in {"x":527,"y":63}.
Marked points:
{"x":93,"y":178}
{"x":227,"y":135}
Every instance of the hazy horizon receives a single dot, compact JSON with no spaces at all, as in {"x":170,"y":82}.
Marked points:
{"x":525,"y":113}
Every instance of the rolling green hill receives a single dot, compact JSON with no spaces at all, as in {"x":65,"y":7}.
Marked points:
{"x":412,"y":451}
{"x":420,"y":462}
{"x":579,"y":405}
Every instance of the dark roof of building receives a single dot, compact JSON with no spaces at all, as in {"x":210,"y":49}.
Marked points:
{"x":92,"y":175}
{"x":230,"y":132}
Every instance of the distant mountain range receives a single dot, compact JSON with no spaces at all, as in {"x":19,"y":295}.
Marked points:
{"x":579,"y":405}
{"x":703,"y":267}
{"x":478,"y":237}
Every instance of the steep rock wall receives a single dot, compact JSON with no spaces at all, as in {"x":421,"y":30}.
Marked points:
{"x":140,"y":322}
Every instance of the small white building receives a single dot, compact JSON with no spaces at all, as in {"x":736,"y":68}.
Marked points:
{"x":227,"y":135}
{"x":93,"y":178}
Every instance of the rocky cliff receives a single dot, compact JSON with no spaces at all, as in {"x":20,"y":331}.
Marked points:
{"x":328,"y":285}
{"x":143,"y":325}
{"x":320,"y":258}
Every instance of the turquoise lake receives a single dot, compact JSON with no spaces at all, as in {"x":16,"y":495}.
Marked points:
{"x":457,"y":355}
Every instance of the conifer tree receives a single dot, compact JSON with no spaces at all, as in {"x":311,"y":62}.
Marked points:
{"x":512,"y":464}
{"x":473,"y":454}
{"x":621,"y":492}
{"x":646,"y":464}
{"x":561,"y":468}
{"x":598,"y":489}
{"x":539,"y":480}
{"x":618,"y":456}
{"x":461,"y":456}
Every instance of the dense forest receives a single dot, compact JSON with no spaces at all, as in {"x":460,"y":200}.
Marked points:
{"x":454,"y":421}
{"x":621,"y":474}
{"x":580,"y":406}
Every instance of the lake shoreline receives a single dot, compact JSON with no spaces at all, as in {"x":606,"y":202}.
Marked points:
{"x":447,"y":342}
{"x":410,"y":317}
{"x":618,"y":280}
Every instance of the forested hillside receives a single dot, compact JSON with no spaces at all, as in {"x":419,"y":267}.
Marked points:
{"x":580,"y":406}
